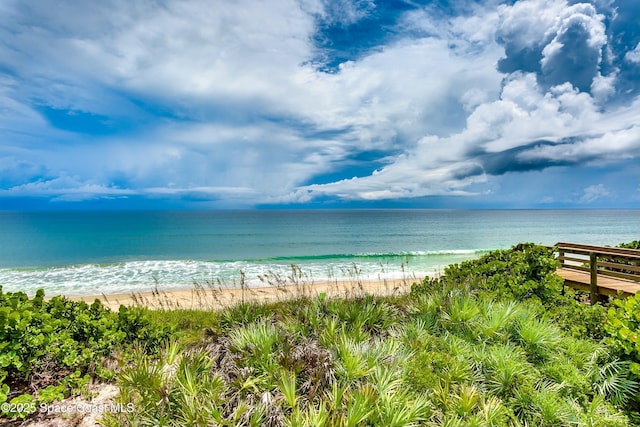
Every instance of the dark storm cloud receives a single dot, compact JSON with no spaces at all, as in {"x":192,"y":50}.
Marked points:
{"x":510,"y":161}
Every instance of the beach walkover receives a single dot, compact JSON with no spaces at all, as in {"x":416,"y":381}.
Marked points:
{"x":600,"y":270}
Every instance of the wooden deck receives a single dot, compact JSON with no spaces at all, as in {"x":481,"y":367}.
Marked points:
{"x":606,"y":285}
{"x":599,"y":270}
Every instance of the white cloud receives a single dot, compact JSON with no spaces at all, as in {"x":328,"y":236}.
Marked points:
{"x":529,"y":22}
{"x":603,"y":87}
{"x":345,"y":12}
{"x":66,"y":188}
{"x":254,"y":61}
{"x":523,"y":115}
{"x":633,"y":55}
{"x":563,"y":41}
{"x":245,"y":115}
{"x":614,"y":145}
{"x":594,"y":192}
{"x":575,"y":52}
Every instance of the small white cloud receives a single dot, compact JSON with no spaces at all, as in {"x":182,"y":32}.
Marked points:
{"x":594,"y":192}
{"x":603,"y":87}
{"x":633,"y":55}
{"x":547,"y":200}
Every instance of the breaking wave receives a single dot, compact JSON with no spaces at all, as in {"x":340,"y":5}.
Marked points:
{"x":140,"y":276}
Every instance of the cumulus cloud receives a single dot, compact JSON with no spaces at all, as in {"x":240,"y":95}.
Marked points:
{"x":527,"y":130}
{"x":230,"y":102}
{"x":561,"y":42}
{"x":575,"y":51}
{"x":541,"y":119}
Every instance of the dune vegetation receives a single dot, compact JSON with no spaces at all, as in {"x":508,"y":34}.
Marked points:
{"x":491,"y":342}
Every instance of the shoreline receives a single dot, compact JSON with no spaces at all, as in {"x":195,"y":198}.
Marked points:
{"x":212,"y":298}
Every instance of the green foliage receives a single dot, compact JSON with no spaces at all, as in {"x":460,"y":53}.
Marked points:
{"x":631,"y":245}
{"x":53,"y":346}
{"x":188,"y":324}
{"x":612,"y":380}
{"x":623,"y":327}
{"x":137,"y":327}
{"x":243,"y":313}
{"x":526,"y":271}
{"x":449,"y":358}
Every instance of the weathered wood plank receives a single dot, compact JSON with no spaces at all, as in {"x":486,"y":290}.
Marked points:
{"x":604,"y":250}
{"x":573,"y":259}
{"x":593,"y":279}
{"x":620,"y":275}
{"x":577,"y":267}
{"x":619,"y":266}
{"x":605,"y":286}
{"x":601,"y":270}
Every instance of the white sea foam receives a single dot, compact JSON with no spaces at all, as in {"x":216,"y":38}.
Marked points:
{"x":140,"y":276}
{"x":425,"y":253}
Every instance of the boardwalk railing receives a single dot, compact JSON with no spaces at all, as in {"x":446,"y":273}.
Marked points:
{"x":602,"y":270}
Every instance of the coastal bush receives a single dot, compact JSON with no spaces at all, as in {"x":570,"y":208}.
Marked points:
{"x":188,"y":324}
{"x":630,"y":245}
{"x":444,"y":357}
{"x":526,"y":272}
{"x":52,"y":347}
{"x":623,"y":326}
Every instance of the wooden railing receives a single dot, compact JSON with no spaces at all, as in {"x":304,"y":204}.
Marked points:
{"x":618,"y":263}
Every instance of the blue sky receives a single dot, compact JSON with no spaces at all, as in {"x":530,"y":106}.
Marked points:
{"x":319,"y":103}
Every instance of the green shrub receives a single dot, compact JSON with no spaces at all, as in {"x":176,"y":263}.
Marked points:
{"x":524,"y":272}
{"x":449,"y":357}
{"x":631,"y":245}
{"x":137,"y":327}
{"x":623,"y":326}
{"x":54,"y":345}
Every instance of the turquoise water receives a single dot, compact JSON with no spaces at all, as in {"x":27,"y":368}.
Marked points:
{"x":76,"y":253}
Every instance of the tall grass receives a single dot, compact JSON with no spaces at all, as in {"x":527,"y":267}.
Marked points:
{"x":271,"y":287}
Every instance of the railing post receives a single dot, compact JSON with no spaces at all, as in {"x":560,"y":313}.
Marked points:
{"x":593,"y":266}
{"x":561,"y":260}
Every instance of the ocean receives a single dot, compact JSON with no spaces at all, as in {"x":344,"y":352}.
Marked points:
{"x":89,"y":253}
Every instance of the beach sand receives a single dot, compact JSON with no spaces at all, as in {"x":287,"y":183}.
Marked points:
{"x":202,"y":298}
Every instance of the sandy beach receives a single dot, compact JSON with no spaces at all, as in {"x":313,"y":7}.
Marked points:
{"x":202,"y":298}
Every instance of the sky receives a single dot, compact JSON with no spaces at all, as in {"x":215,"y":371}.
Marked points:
{"x":222,"y":104}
